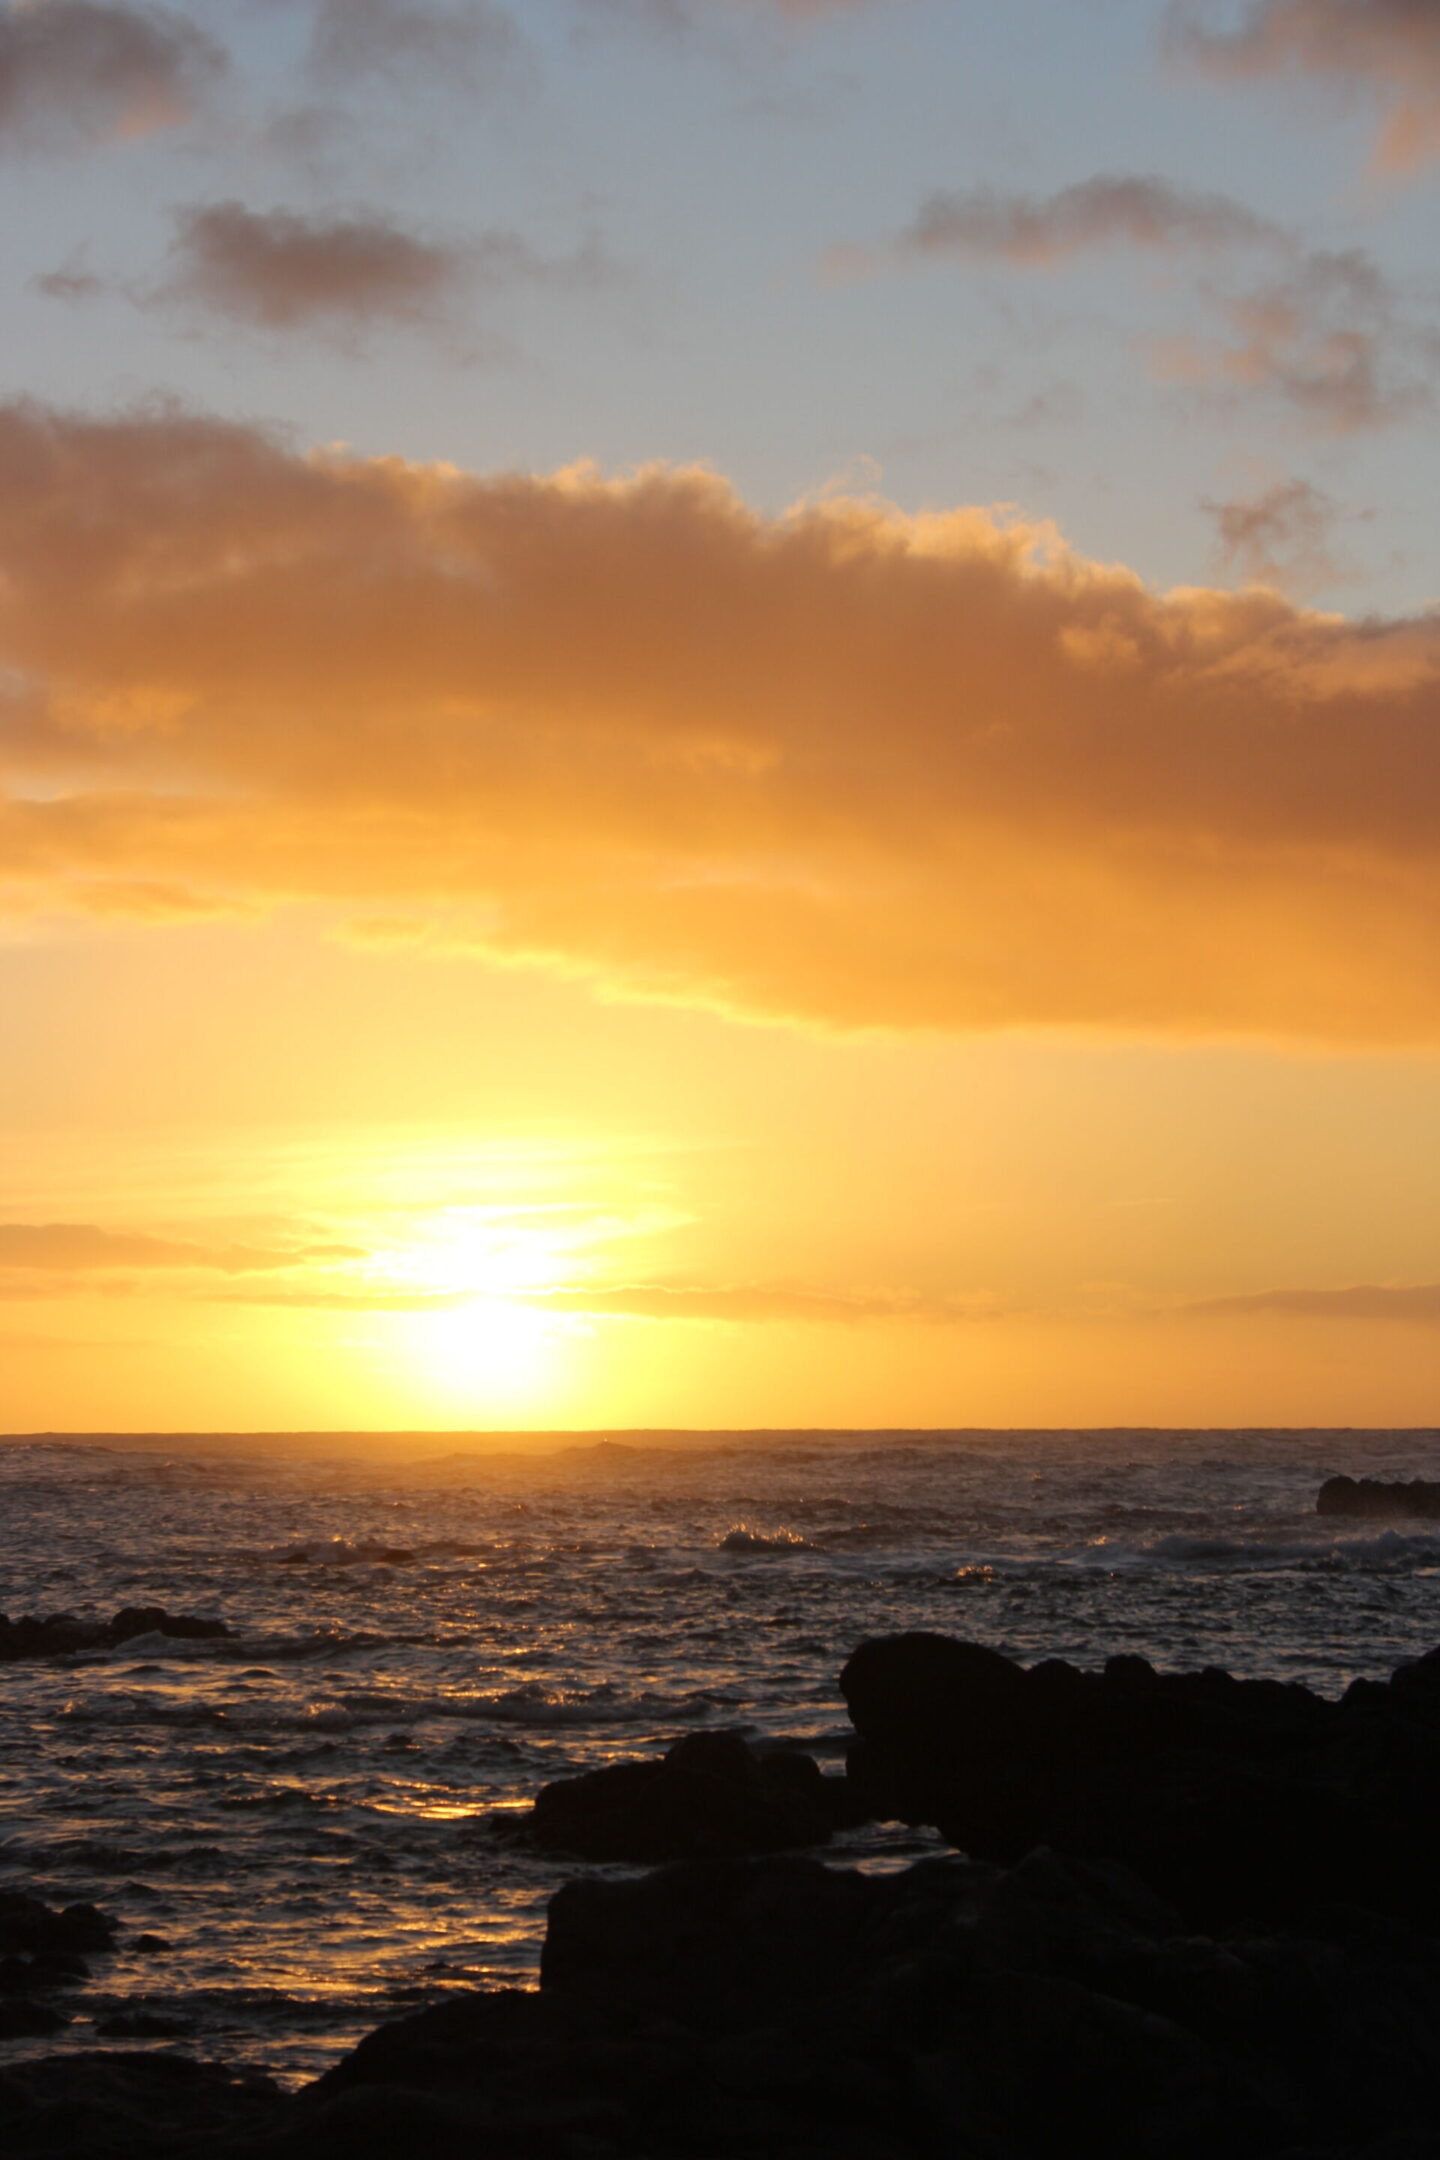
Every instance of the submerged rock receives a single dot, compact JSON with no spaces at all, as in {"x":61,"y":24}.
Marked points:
{"x":1372,"y":1497}
{"x":710,"y":1795}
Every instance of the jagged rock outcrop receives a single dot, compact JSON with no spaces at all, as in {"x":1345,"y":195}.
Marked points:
{"x":1373,"y":1498}
{"x":1232,"y":1798}
{"x":779,"y":2007}
{"x":710,"y":1795}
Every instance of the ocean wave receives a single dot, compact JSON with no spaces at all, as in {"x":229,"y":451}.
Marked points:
{"x":339,"y":1552}
{"x":744,"y":1537}
{"x":348,"y":1711}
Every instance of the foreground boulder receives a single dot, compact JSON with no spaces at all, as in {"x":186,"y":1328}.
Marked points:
{"x":778,"y":2008}
{"x":129,"y":2106}
{"x":1231,"y":1798}
{"x":1373,"y":1498}
{"x":43,"y":1950}
{"x":710,"y":1796}
{"x":61,"y":1634}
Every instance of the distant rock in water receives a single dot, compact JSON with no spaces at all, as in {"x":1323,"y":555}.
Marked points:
{"x":1371,"y":1497}
{"x":339,"y":1552}
{"x":61,"y":1633}
{"x":710,"y":1795}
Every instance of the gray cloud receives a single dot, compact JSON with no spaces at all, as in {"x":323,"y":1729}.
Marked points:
{"x":1110,"y":209}
{"x":1418,"y":1304}
{"x":75,"y":73}
{"x":68,"y":284}
{"x":1279,"y":537}
{"x":278,"y":270}
{"x":1389,"y":49}
{"x":465,"y":45}
{"x":1328,"y":336}
{"x":342,"y":275}
{"x":1321,"y":331}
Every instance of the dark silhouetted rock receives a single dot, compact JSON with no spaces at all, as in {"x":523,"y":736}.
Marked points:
{"x":143,"y":2024}
{"x":133,"y":2106}
{"x":22,"y":2018}
{"x":154,"y":1620}
{"x":1372,"y":1497}
{"x":732,"y":2009}
{"x":1229,"y":1797}
{"x":710,"y":1795}
{"x":61,"y":1634}
{"x":30,"y":1928}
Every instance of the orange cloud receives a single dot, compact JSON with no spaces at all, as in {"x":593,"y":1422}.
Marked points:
{"x":81,"y":72}
{"x":749,"y":1302}
{"x":844,"y":766}
{"x":1390,"y":47}
{"x":81,"y":1248}
{"x":735,"y":1303}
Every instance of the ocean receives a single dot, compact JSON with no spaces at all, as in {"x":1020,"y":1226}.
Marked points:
{"x":320,"y":1818}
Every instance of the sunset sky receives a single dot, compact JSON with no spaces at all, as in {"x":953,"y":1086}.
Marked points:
{"x":719,"y":712}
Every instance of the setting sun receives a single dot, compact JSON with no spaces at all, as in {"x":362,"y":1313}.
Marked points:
{"x":485,"y":1354}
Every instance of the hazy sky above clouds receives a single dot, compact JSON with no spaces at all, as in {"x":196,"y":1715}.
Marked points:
{"x":719,"y":711}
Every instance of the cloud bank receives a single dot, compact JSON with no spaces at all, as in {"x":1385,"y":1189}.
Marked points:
{"x":1389,"y":47}
{"x":844,"y":767}
{"x":76,"y":73}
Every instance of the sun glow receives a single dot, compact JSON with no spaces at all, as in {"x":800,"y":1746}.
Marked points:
{"x":481,"y":1341}
{"x":473,"y":1250}
{"x":487,"y":1348}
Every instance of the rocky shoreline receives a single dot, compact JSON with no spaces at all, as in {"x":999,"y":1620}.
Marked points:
{"x":1186,"y":1915}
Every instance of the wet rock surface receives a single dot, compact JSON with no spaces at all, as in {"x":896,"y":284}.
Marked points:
{"x":709,"y":1796}
{"x":1374,"y":1499}
{"x":61,"y":1634}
